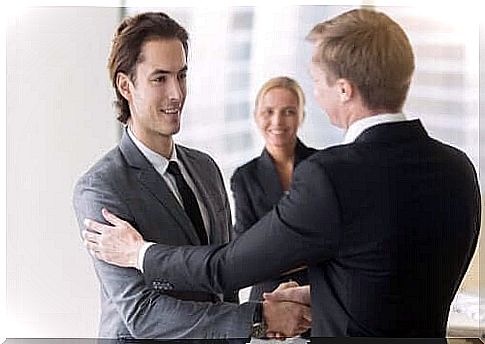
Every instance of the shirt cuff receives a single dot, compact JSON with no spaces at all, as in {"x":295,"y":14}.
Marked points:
{"x":141,"y":255}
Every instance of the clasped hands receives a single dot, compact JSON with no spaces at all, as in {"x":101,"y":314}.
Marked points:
{"x":286,"y":310}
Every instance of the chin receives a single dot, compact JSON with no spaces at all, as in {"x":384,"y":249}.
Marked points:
{"x":175,"y":129}
{"x":280,"y":144}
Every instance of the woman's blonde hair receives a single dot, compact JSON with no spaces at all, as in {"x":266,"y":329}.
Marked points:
{"x":288,"y":84}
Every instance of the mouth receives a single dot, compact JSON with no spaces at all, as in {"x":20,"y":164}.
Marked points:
{"x":170,"y":111}
{"x":277,"y":131}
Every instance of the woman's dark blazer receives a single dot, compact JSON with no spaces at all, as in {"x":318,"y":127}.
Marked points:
{"x":256,"y":188}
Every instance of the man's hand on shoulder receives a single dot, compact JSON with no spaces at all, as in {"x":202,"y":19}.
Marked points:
{"x":118,"y":243}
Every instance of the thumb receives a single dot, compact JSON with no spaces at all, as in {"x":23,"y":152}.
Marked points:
{"x":111,"y":218}
{"x":286,"y":285}
{"x":275,"y":294}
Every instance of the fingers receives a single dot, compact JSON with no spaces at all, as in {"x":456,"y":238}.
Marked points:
{"x":275,"y":296}
{"x":286,"y":319}
{"x":91,"y":236}
{"x":111,"y":218}
{"x":96,"y":226}
{"x":91,"y":240}
{"x":91,"y":245}
{"x":286,"y":285}
{"x":308,"y":317}
{"x":280,"y":295}
{"x":292,"y":294}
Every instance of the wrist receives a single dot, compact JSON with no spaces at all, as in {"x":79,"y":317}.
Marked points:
{"x":140,"y":258}
{"x":259,"y":324}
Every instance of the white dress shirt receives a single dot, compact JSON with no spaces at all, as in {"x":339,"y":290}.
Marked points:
{"x":358,"y":127}
{"x":160,"y":164}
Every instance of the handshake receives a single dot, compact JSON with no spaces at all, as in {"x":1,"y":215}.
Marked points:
{"x":286,"y":310}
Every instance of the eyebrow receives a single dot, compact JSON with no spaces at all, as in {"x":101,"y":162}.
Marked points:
{"x":163,"y":71}
{"x":284,"y":108}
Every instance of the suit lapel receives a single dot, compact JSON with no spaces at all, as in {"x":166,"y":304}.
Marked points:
{"x":154,"y":183}
{"x":196,"y":172}
{"x":268,"y":178}
{"x":302,"y":152}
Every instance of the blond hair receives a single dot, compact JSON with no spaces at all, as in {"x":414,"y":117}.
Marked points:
{"x":371,"y":51}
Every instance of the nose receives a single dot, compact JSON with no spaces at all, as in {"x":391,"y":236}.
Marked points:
{"x":174,"y":90}
{"x":277,"y":118}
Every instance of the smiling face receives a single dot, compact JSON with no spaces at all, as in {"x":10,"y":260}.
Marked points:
{"x":278,"y":117}
{"x":157,"y":95}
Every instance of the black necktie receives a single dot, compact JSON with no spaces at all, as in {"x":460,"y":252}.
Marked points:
{"x":190,"y":202}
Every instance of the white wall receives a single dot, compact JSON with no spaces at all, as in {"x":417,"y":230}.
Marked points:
{"x":59,"y":121}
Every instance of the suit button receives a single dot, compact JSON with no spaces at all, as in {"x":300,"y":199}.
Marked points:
{"x":166,"y":285}
{"x":156,"y":285}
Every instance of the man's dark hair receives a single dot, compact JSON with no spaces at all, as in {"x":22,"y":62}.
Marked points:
{"x":127,"y":44}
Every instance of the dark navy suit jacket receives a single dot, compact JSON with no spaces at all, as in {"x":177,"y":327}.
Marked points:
{"x":387,"y":225}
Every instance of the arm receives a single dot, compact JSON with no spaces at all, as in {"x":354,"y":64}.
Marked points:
{"x":304,"y":227}
{"x":146,"y":312}
{"x":229,"y":296}
{"x":246,"y":215}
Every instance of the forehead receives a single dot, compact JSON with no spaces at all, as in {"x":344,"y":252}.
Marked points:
{"x":279,"y":96}
{"x":165,"y":54}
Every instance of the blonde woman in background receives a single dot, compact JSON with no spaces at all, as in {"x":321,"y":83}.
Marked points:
{"x":259,"y":184}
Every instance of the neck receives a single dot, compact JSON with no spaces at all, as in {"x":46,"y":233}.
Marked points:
{"x":361,"y":113}
{"x":282,"y":154}
{"x":161,"y":144}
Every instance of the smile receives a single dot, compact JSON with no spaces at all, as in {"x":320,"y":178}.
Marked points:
{"x":277,"y":131}
{"x":170,"y":111}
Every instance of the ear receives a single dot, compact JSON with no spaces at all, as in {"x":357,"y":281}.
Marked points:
{"x":345,"y":90}
{"x":123,"y":84}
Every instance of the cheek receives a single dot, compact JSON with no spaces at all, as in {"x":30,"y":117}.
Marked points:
{"x":261,"y":123}
{"x":293,"y":123}
{"x":183,"y":90}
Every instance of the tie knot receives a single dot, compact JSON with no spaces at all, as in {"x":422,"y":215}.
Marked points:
{"x":173,"y":168}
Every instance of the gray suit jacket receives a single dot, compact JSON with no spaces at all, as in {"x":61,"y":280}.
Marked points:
{"x":125,"y":183}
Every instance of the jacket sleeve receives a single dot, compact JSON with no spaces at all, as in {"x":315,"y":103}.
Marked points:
{"x":229,"y":295}
{"x":244,"y":210}
{"x":304,"y":228}
{"x":146,"y":312}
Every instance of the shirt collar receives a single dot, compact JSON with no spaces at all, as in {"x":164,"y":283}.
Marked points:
{"x":159,"y":162}
{"x":360,"y":125}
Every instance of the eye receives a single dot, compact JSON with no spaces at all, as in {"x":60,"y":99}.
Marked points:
{"x":160,"y":79}
{"x":289,"y":112}
{"x":183,"y":76}
{"x":267,"y":112}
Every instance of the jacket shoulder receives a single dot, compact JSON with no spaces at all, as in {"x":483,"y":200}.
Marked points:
{"x":329,"y":155}
{"x":197,"y":155}
{"x":109,"y":169}
{"x":244,"y":171}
